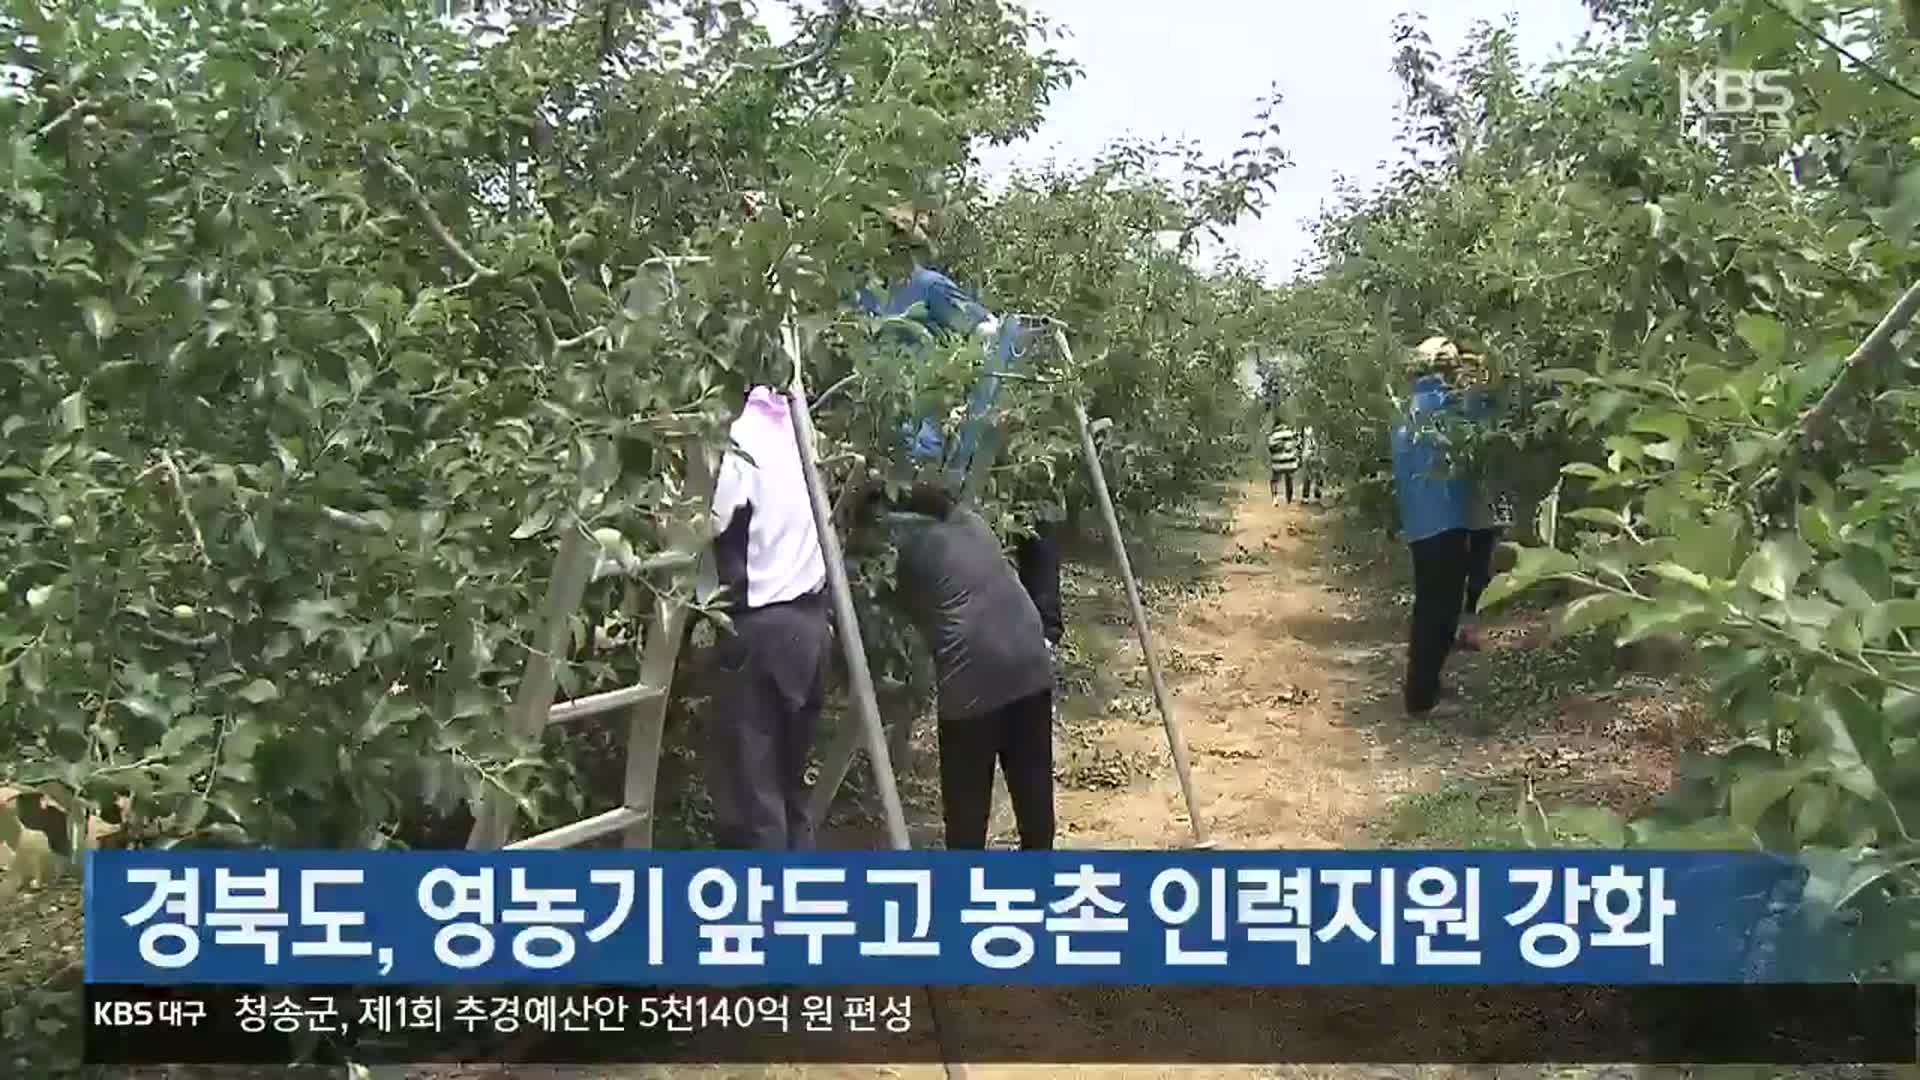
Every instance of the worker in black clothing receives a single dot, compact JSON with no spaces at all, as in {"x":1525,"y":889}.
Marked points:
{"x":994,"y":676}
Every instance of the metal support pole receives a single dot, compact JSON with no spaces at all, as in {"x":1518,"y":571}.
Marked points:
{"x":858,"y":674}
{"x":1175,"y":741}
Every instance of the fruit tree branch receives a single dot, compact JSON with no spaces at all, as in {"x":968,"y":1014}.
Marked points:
{"x":79,"y":106}
{"x":474,"y":267}
{"x":1819,"y":35}
{"x":840,"y":14}
{"x":1877,"y":347}
{"x":179,"y":487}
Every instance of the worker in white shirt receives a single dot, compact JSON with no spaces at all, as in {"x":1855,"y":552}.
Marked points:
{"x":1283,"y":460}
{"x":773,"y":662}
{"x":1312,"y":477}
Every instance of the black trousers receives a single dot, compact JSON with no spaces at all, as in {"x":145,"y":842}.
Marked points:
{"x":1282,"y":476}
{"x":1037,"y":557}
{"x":1480,"y":547}
{"x":766,"y":710}
{"x":1310,"y":483}
{"x":1020,"y":737}
{"x":1440,"y":565}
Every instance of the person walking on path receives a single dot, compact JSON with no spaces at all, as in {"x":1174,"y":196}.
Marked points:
{"x":1312,"y":479}
{"x":1283,"y":460}
{"x":994,"y":675}
{"x":773,"y":662}
{"x":1434,"y":515}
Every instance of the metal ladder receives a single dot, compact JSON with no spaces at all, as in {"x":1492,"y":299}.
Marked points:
{"x":689,"y":560}
{"x":581,"y":561}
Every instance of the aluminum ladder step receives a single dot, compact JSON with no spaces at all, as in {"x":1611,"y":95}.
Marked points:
{"x":580,"y":832}
{"x":595,"y":704}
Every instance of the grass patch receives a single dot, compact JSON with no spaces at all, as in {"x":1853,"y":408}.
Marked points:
{"x":1463,"y":814}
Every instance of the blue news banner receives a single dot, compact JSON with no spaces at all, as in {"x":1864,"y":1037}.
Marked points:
{"x":617,"y":937}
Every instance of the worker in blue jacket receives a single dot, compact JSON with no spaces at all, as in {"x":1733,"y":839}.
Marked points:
{"x":929,"y":298}
{"x":1435,"y":502}
{"x":942,"y":307}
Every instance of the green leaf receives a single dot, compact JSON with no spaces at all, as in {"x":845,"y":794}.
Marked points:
{"x":1904,"y":211}
{"x":1503,"y":588}
{"x":534,"y":525}
{"x":1765,"y":336}
{"x":1777,"y":566}
{"x":1837,"y":579}
{"x":1709,"y":545}
{"x":1597,"y":824}
{"x":1868,"y":566}
{"x":1593,"y":609}
{"x":1836,"y":876}
{"x":1902,"y":708}
{"x":1754,"y":793}
{"x":241,"y":743}
{"x":1707,"y":834}
{"x":1546,"y":517}
{"x":312,"y":617}
{"x":1810,"y":805}
{"x":1662,"y":618}
{"x":1599,"y":515}
{"x":1569,"y":376}
{"x":1854,"y":739}
{"x":1680,"y":575}
{"x":146,"y":708}
{"x":73,"y":413}
{"x":1660,"y":422}
{"x":259,"y":691}
{"x":99,"y":317}
{"x":1537,"y":563}
{"x":1883,"y":618}
{"x":184,"y":733}
{"x":1843,"y":634}
{"x":1817,"y":526}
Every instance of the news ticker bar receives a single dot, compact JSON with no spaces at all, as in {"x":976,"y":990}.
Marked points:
{"x":1827,"y":1024}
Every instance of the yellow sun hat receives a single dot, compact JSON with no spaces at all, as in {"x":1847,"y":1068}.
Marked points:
{"x":1440,"y":355}
{"x":907,"y":220}
{"x":1437,"y":355}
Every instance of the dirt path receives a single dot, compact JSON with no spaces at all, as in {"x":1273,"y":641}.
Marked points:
{"x":1283,"y":661}
{"x":1283,"y":658}
{"x":1261,"y":693}
{"x":1264,"y":671}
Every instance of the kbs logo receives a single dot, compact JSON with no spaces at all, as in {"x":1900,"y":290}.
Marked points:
{"x":1734,"y":92}
{"x":123,"y":1014}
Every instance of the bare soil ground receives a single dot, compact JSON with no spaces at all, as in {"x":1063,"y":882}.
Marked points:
{"x":1281,"y":637}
